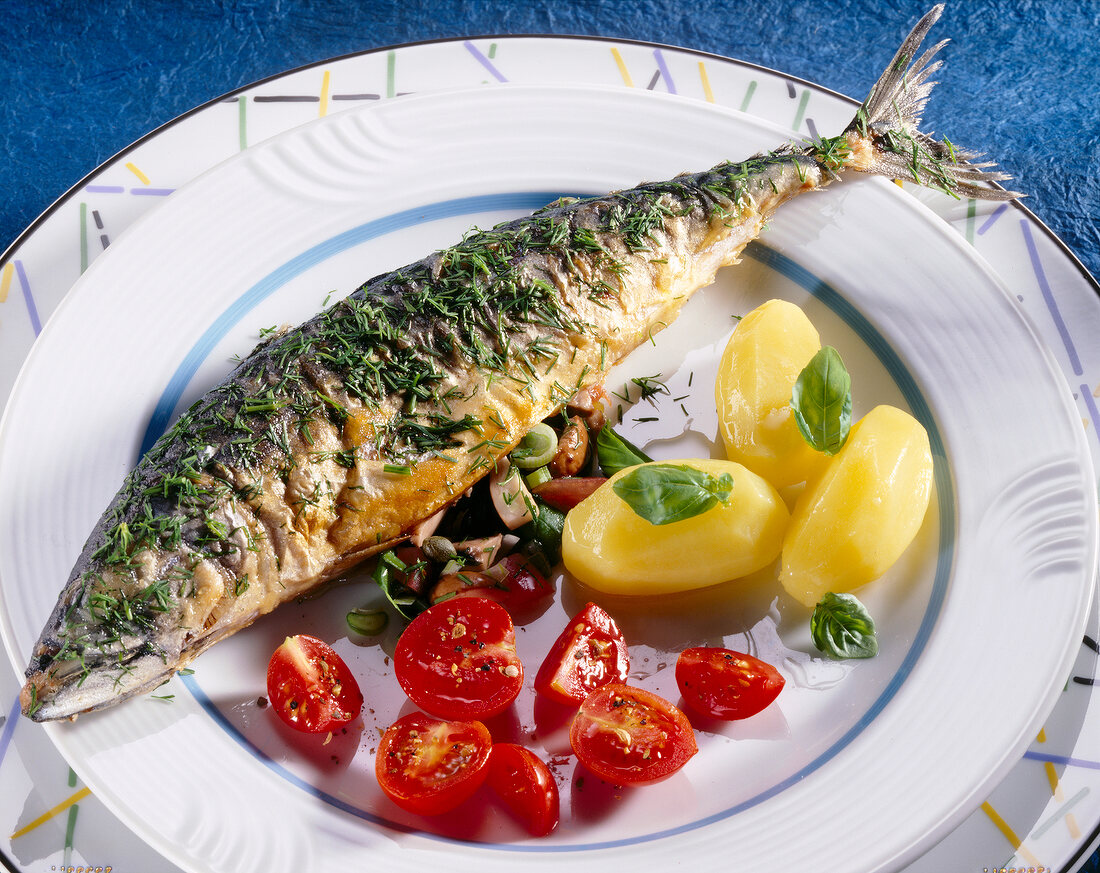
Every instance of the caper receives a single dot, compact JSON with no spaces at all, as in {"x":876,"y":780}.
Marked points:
{"x":438,"y":549}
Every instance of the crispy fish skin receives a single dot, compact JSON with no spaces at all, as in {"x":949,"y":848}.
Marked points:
{"x":330,"y":442}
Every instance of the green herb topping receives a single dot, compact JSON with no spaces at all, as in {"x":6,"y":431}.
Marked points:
{"x":841,"y":627}
{"x":616,"y":453}
{"x":667,"y":493}
{"x":822,"y":401}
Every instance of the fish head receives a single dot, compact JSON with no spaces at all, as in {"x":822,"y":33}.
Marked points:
{"x":106,"y":640}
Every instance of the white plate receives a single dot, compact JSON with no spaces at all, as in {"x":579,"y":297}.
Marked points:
{"x":262,"y":239}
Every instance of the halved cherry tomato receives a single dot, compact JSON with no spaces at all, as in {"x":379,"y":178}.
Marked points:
{"x":458,"y":659}
{"x":429,"y":766}
{"x":521,"y":778}
{"x":630,"y":736}
{"x":513,"y":582}
{"x":310,"y":687}
{"x":721,"y":683}
{"x":590,"y":652}
{"x":566,"y":492}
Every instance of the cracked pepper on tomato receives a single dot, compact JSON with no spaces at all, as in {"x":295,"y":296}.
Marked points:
{"x":310,"y":687}
{"x":429,"y":766}
{"x":458,"y":660}
{"x":630,"y":736}
{"x":721,"y":683}
{"x":590,"y":652}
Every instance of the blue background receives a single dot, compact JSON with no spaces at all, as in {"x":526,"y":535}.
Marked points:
{"x":81,"y":80}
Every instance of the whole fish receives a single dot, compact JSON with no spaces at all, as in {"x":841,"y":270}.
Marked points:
{"x":333,"y":440}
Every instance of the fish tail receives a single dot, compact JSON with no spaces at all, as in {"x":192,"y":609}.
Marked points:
{"x":885,"y":138}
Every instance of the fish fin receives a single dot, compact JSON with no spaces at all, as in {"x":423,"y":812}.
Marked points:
{"x":885,"y":137}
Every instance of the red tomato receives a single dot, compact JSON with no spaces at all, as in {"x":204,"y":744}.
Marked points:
{"x":725,"y":684}
{"x":310,"y":687}
{"x":520,"y":777}
{"x":513,"y":582}
{"x":458,"y":659}
{"x":567,"y":491}
{"x":630,"y":736}
{"x":429,"y":766}
{"x":590,"y":652}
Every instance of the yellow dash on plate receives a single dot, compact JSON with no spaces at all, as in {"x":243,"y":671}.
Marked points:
{"x":46,"y":816}
{"x":1009,"y":834}
{"x":325,"y":80}
{"x":1057,"y":793}
{"x":623,"y":71}
{"x":1052,"y":778}
{"x":133,"y":168}
{"x":707,"y":92}
{"x":5,"y":280}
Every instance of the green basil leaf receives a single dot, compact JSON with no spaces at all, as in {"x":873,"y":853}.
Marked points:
{"x":841,"y":627}
{"x":616,"y":453}
{"x":664,"y":493}
{"x":387,"y":573}
{"x":822,"y":401}
{"x":544,"y":532}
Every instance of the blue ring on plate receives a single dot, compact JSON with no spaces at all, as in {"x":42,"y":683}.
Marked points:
{"x":527,"y":201}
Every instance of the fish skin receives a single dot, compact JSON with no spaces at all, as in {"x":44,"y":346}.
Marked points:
{"x":282,"y":476}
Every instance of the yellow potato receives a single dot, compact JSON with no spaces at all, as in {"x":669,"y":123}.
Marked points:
{"x":854,"y":521}
{"x":756,"y":376}
{"x":609,"y":547}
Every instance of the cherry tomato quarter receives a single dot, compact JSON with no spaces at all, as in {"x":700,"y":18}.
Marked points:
{"x":310,"y":687}
{"x":630,"y":736}
{"x":514,"y":582}
{"x":458,"y":660}
{"x":525,"y":783}
{"x":429,"y":766}
{"x":721,"y":683}
{"x":590,"y":652}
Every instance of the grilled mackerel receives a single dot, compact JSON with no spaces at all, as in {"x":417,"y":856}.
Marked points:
{"x":330,"y":442}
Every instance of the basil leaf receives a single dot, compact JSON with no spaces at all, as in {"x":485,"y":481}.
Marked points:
{"x":387,"y":573}
{"x":841,"y":627}
{"x":664,"y":493}
{"x":822,"y":401}
{"x":544,"y":533}
{"x":616,"y":453}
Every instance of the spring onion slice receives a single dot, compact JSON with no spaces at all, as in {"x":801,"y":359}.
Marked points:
{"x":537,"y":477}
{"x":368,"y":622}
{"x":537,"y":448}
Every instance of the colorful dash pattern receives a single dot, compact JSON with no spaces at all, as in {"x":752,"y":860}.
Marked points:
{"x":15,"y":271}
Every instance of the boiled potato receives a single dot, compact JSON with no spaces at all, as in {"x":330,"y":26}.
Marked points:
{"x":609,"y":547}
{"x":854,"y":521}
{"x":756,"y":376}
